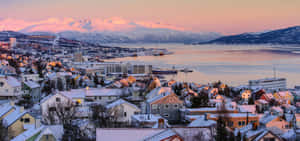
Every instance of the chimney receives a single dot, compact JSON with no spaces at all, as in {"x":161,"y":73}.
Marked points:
{"x":205,"y":116}
{"x":37,"y":123}
{"x":161,"y":123}
{"x":21,"y":109}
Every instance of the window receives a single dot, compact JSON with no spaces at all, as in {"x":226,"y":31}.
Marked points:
{"x":243,"y":122}
{"x":57,"y":99}
{"x":21,"y":120}
{"x":175,"y":105}
{"x":99,"y":97}
{"x":125,"y":114}
{"x":269,"y":139}
{"x":230,"y":123}
{"x":240,"y":123}
{"x":1,"y":84}
{"x":109,"y":98}
{"x":167,"y":106}
{"x":51,"y":109}
{"x":27,"y":120}
{"x":154,"y":106}
{"x":166,"y":115}
{"x":67,"y":108}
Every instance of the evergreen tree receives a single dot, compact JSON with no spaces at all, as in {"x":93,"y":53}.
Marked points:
{"x":96,"y":80}
{"x":26,"y":101}
{"x":200,"y":101}
{"x":60,"y":85}
{"x":251,"y":101}
{"x":239,"y":136}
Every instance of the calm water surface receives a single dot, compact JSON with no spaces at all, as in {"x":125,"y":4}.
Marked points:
{"x":233,"y":64}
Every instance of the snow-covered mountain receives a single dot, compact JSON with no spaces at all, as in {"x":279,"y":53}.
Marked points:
{"x":289,"y":35}
{"x":112,"y":30}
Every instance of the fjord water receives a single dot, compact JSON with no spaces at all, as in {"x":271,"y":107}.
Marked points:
{"x":233,"y":64}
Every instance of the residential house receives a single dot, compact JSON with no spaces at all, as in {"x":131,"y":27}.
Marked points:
{"x":261,"y":105}
{"x":136,"y":134}
{"x":167,"y":105}
{"x":31,"y":77}
{"x":32,"y":88}
{"x":18,"y":121}
{"x":269,"y":120}
{"x":53,"y":103}
{"x":284,"y":97}
{"x":267,"y":97}
{"x":237,"y":120}
{"x":245,"y":95}
{"x":42,"y":133}
{"x":122,"y":110}
{"x":10,"y":87}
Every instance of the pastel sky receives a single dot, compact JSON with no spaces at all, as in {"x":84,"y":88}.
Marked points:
{"x":224,"y":16}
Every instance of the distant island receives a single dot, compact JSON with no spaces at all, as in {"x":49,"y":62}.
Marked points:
{"x":284,"y":36}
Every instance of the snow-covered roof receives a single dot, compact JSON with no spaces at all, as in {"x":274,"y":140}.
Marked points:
{"x":158,"y":91}
{"x":247,"y":108}
{"x":12,"y":81}
{"x":289,"y":135}
{"x":28,"y":134}
{"x":235,"y":115}
{"x":267,"y":118}
{"x":202,"y":122}
{"x":32,"y":84}
{"x":125,"y":134}
{"x":56,"y":130}
{"x":161,"y":135}
{"x":6,"y":107}
{"x":13,"y":116}
{"x":119,"y":102}
{"x":146,"y":117}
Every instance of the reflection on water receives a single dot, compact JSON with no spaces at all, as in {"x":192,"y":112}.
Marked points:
{"x":233,"y":64}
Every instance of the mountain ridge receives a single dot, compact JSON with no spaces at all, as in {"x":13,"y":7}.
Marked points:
{"x":289,"y":35}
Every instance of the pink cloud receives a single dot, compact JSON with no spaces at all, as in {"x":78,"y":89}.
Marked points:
{"x":72,"y":24}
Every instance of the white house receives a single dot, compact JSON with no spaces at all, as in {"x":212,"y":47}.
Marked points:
{"x":51,"y":103}
{"x":123,"y":110}
{"x":10,"y":87}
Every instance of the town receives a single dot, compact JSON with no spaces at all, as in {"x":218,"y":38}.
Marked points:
{"x":57,"y":89}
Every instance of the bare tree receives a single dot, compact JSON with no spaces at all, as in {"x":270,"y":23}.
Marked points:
{"x":61,"y":113}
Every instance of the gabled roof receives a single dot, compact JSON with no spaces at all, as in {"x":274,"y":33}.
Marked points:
{"x":5,"y":108}
{"x":56,"y":130}
{"x":32,"y":84}
{"x":28,"y":134}
{"x":125,"y":134}
{"x":161,"y":135}
{"x":158,"y":91}
{"x":165,"y":99}
{"x":13,"y":116}
{"x":267,"y":118}
{"x":11,"y":81}
{"x":120,"y":102}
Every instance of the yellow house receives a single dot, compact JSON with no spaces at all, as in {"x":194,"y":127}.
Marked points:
{"x":284,"y":97}
{"x":42,"y":133}
{"x":18,"y":121}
